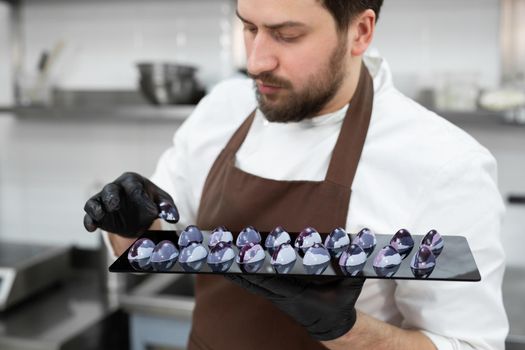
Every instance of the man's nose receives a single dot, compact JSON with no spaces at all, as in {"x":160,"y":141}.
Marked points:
{"x":261,"y":56}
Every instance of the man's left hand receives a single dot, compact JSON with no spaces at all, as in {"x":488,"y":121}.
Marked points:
{"x":324,"y":306}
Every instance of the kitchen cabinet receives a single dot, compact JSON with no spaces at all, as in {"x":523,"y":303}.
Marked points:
{"x":160,"y":311}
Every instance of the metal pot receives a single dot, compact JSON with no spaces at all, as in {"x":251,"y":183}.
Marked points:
{"x":169,"y":83}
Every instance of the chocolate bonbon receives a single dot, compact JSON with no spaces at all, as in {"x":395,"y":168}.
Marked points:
{"x":423,"y":262}
{"x":316,"y":259}
{"x":220,"y":234}
{"x":192,"y":257}
{"x":221,"y":257}
{"x":140,"y":253}
{"x":191,"y":234}
{"x":433,"y":240}
{"x":251,"y":257}
{"x":387,"y":262}
{"x":275,"y":238}
{"x":164,"y":256}
{"x":248,"y":235}
{"x":366,"y":239}
{"x":283,"y":258}
{"x":306,"y":239}
{"x":336,"y":242}
{"x":403,"y":242}
{"x":352,"y":260}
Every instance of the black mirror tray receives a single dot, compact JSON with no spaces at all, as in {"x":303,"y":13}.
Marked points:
{"x":432,"y":256}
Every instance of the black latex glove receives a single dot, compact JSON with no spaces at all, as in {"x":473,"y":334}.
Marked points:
{"x":325,"y":307}
{"x":128,"y":206}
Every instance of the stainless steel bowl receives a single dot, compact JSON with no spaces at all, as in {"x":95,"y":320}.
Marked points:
{"x":169,"y":83}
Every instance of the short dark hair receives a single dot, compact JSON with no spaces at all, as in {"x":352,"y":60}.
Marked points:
{"x":344,"y":11}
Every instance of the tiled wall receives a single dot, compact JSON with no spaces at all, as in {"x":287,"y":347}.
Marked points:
{"x":50,"y":167}
{"x":424,"y":40}
{"x":104,"y":39}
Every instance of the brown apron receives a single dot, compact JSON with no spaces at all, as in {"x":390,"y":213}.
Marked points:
{"x":228,"y":317}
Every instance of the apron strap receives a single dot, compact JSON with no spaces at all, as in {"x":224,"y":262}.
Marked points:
{"x":238,"y":137}
{"x":351,"y":139}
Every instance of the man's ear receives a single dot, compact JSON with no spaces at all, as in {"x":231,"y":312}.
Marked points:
{"x":361,"y":32}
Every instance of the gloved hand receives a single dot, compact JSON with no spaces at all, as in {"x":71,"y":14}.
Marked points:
{"x":325,"y":307}
{"x":128,"y":206}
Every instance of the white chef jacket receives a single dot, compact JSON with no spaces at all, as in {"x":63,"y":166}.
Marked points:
{"x":417,"y":171}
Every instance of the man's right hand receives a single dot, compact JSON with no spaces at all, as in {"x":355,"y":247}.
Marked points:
{"x":128,"y":206}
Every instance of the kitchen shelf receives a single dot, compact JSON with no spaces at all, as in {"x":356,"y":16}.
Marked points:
{"x":480,"y":118}
{"x":144,"y":113}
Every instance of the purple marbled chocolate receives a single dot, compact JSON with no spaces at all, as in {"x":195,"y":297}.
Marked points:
{"x":435,"y":241}
{"x":191,"y":234}
{"x":248,"y":235}
{"x":275,"y":238}
{"x":366,"y":239}
{"x":403,"y":242}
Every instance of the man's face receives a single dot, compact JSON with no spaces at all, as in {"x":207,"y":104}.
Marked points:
{"x":295,"y":55}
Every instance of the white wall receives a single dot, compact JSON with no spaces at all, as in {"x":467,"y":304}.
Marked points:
{"x":426,"y":41}
{"x":422,"y":39}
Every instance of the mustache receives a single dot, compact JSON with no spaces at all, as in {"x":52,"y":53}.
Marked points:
{"x":272,"y":80}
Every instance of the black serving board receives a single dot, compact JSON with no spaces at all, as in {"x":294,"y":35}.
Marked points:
{"x":455,"y":263}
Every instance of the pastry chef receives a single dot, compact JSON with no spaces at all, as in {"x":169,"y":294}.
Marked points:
{"x":319,"y":136}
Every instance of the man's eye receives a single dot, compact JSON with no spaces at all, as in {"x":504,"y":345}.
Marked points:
{"x":251,"y":29}
{"x":286,"y":38}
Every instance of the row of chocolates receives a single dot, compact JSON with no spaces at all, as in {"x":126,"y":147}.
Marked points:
{"x":352,"y":255}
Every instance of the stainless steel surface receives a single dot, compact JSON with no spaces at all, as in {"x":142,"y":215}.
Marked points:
{"x":513,"y":287}
{"x":102,"y":113}
{"x":75,"y":313}
{"x":56,"y":315}
{"x":169,"y":83}
{"x":479,"y":118}
{"x":26,"y":269}
{"x":102,"y":105}
{"x":18,"y":46}
{"x":162,"y":295}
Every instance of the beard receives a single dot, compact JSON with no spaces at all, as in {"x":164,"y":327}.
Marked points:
{"x":295,"y":106}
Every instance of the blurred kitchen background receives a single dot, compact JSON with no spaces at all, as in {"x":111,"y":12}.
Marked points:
{"x":76,"y":111}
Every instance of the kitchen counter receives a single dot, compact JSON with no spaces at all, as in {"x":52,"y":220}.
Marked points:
{"x":478,"y":118}
{"x":72,"y":314}
{"x":173,"y":296}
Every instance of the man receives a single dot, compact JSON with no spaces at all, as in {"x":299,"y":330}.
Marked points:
{"x":331,"y":143}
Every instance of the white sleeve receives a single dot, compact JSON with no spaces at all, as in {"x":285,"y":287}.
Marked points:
{"x":462,"y":199}
{"x":173,"y":167}
{"x":182,"y":169}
